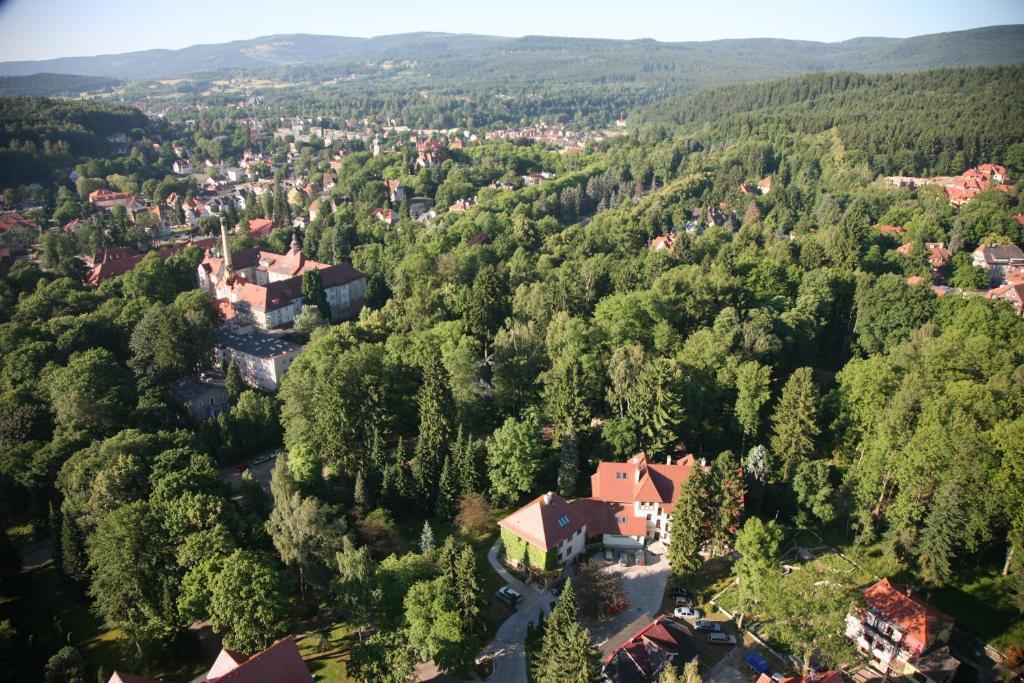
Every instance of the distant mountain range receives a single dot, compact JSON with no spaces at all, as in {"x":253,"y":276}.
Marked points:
{"x":454,"y":53}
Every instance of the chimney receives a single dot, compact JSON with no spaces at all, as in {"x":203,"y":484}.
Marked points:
{"x":547,"y":497}
{"x":227,"y":249}
{"x":668,"y":460}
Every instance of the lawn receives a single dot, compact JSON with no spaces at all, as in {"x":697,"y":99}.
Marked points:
{"x":329,"y":663}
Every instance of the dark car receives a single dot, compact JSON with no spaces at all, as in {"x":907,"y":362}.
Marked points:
{"x":241,"y":467}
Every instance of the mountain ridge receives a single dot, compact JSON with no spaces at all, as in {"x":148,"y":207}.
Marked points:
{"x":992,"y":45}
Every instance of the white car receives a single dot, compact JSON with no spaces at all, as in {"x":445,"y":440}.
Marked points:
{"x":721,"y":639}
{"x":509,"y":595}
{"x":687,"y":613}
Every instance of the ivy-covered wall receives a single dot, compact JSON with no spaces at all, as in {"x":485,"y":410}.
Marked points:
{"x":540,"y":559}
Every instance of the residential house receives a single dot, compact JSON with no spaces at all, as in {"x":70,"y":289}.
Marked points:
{"x":111,"y":254}
{"x":314,"y":209}
{"x":279,"y":663}
{"x":546,"y":532}
{"x":11,"y":220}
{"x":262,"y":356}
{"x":663,"y":242}
{"x":891,"y":229}
{"x":1014,"y":293}
{"x":204,"y":395}
{"x":76,"y":224}
{"x":901,"y":634}
{"x":419,"y":206}
{"x":463,"y":205}
{"x":430,"y":153}
{"x":764,"y":185}
{"x":396,"y":191}
{"x":630,"y":506}
{"x":105,"y":199}
{"x":265,"y":289}
{"x":998,"y":260}
{"x":10,"y":253}
{"x":641,"y":659}
{"x":936,"y":253}
{"x":385,"y":216}
{"x":182,"y":167}
{"x":260,"y":227}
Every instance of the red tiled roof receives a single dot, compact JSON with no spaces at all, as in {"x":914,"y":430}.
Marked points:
{"x":260,"y":227}
{"x":13,"y":219}
{"x":892,"y":229}
{"x":921,"y":621}
{"x":639,"y":480}
{"x":280,"y":663}
{"x":603,"y":517}
{"x":537,"y":521}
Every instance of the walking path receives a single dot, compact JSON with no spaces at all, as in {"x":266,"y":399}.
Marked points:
{"x":507,"y":650}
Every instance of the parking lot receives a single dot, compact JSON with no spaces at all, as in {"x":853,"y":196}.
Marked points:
{"x":261,"y":470}
{"x":643,"y":586}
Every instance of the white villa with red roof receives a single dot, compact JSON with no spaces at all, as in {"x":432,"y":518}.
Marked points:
{"x":902,"y":635}
{"x":630,"y":506}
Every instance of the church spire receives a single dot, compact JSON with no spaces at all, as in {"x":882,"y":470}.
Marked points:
{"x":295,"y":241}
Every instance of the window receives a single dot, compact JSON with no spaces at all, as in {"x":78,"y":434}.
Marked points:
{"x":620,"y":520}
{"x":563,"y":521}
{"x":648,"y":516}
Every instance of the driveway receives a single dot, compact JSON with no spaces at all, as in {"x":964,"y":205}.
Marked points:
{"x":507,"y":651}
{"x":730,"y":670}
{"x":644,"y":587}
{"x":262,"y":471}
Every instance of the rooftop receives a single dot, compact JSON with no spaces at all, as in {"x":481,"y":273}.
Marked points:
{"x":253,"y":342}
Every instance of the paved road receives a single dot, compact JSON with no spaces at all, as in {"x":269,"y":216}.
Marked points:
{"x":262,"y":471}
{"x":509,"y":654}
{"x":644,"y":587}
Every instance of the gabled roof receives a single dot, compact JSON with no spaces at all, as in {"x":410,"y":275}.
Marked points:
{"x":639,"y":480}
{"x":646,"y":653}
{"x":999,"y":253}
{"x":280,"y":663}
{"x":545,"y":521}
{"x":920,"y":621}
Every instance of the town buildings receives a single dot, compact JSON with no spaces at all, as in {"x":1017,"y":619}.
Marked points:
{"x":265,"y":289}
{"x":641,"y":659}
{"x":998,"y":260}
{"x":902,"y":635}
{"x":262,"y":357}
{"x":204,"y":395}
{"x":630,"y":506}
{"x":962,"y":188}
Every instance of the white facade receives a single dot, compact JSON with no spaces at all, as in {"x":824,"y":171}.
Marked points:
{"x":569,"y":548}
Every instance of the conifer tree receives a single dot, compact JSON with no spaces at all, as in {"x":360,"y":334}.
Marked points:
{"x":567,"y":654}
{"x":568,"y":466}
{"x":435,"y":411}
{"x":469,"y":595}
{"x":448,"y":489}
{"x":426,"y":539}
{"x":466,"y":452}
{"x":361,"y":494}
{"x":795,"y":422}
{"x":728,"y":496}
{"x":688,"y":530}
{"x":752,"y":392}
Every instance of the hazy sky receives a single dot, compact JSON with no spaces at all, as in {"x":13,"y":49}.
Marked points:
{"x":41,"y":29}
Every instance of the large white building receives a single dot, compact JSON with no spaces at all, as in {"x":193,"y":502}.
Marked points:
{"x":265,"y":289}
{"x":262,"y":357}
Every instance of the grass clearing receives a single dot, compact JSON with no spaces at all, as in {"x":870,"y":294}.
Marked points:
{"x":328,"y":661}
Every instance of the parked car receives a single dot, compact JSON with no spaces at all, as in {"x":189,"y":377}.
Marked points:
{"x":509,"y":595}
{"x":259,"y":460}
{"x":677,"y":592}
{"x":624,"y":559}
{"x":687,"y":613}
{"x":609,"y":554}
{"x":557,"y":588}
{"x":707,"y":625}
{"x":241,"y":467}
{"x":721,"y":639}
{"x":683,"y":601}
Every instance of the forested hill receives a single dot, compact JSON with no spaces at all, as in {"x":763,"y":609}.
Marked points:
{"x":538,"y":58}
{"x":53,"y":85}
{"x":898,"y":122}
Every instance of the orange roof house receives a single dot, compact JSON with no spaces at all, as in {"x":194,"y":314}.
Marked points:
{"x":630,"y":506}
{"x":902,"y":635}
{"x":279,"y":663}
{"x":260,"y":227}
{"x":662,"y":643}
{"x":1013,"y":292}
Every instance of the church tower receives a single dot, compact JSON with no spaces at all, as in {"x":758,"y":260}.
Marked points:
{"x":228,"y":269}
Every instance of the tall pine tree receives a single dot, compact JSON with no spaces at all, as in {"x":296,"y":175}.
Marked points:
{"x":567,"y":654}
{"x":688,"y":524}
{"x":795,"y":423}
{"x":435,"y":410}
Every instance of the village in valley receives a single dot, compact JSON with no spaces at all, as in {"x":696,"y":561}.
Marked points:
{"x":372,"y":370}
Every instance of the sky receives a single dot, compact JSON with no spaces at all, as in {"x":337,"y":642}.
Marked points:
{"x":43,"y":29}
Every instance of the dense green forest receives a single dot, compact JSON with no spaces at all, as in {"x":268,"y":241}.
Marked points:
{"x":53,"y":85}
{"x":504,"y":350}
